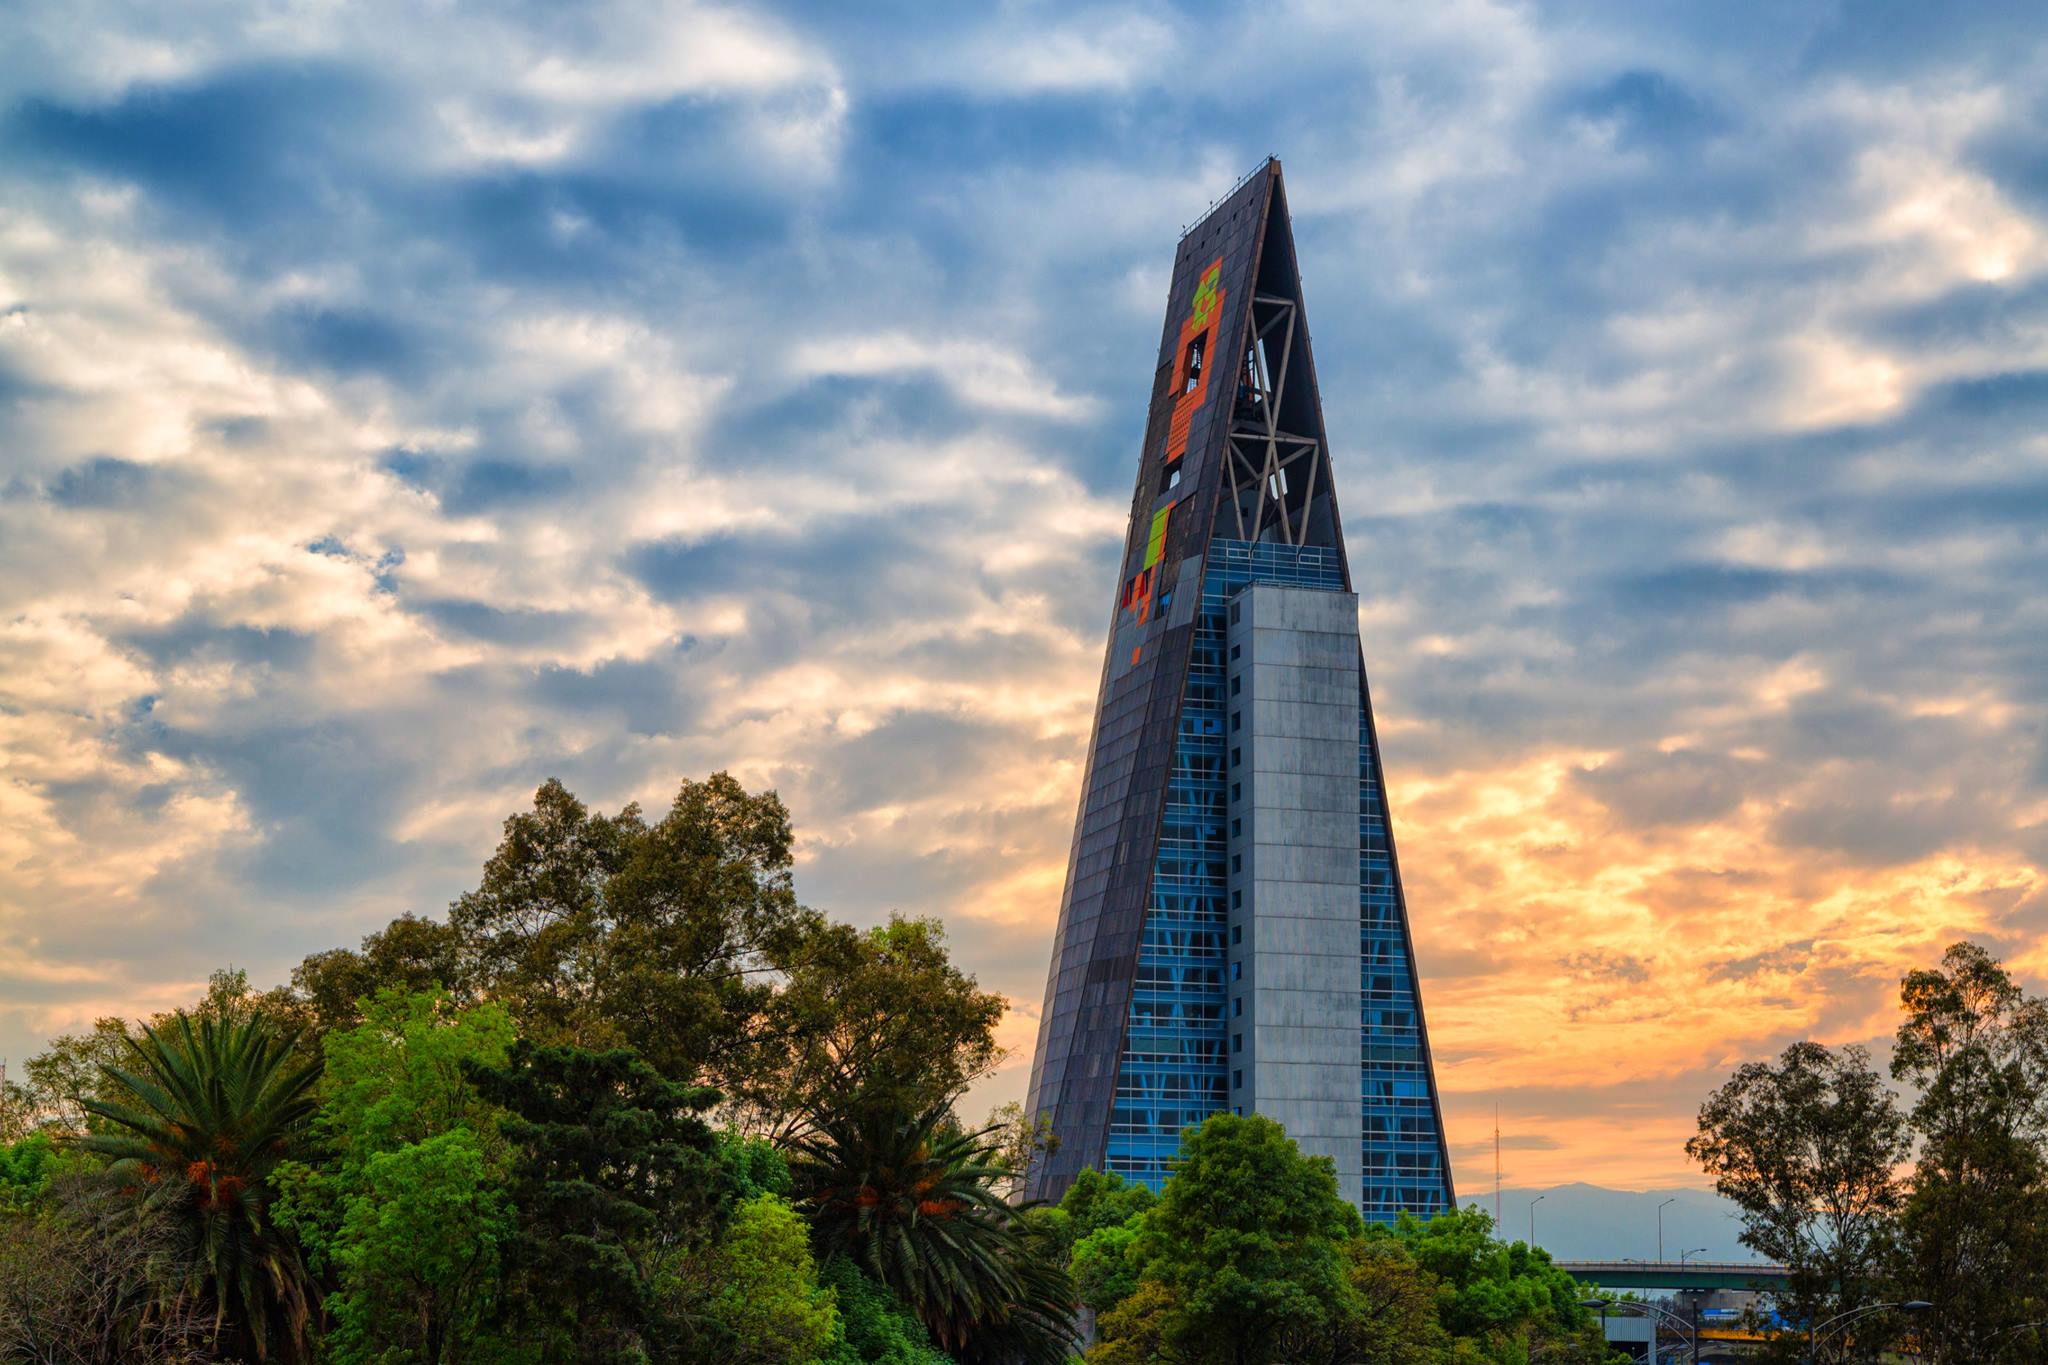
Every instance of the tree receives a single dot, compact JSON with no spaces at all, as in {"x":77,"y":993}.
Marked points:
{"x":614,"y":1175}
{"x":767,"y":1297}
{"x":1099,"y":1221}
{"x":1243,"y":1252}
{"x":699,"y":915}
{"x":93,"y":1280}
{"x":405,"y":1205}
{"x":1022,"y":1141}
{"x":594,"y":930}
{"x":876,"y":1329}
{"x":1973,"y":1237}
{"x":529,"y":935}
{"x":1106,"y":1266}
{"x":418,"y":1255}
{"x":878,"y":1017}
{"x":26,"y":1167}
{"x":1501,"y":1301}
{"x":916,"y":1205}
{"x":1101,"y":1199}
{"x":1808,"y":1150}
{"x":409,"y":955}
{"x":202,"y":1115}
{"x":1391,"y":1316}
{"x":71,"y":1071}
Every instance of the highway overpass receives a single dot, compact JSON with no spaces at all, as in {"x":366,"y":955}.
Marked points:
{"x":1676,"y":1275}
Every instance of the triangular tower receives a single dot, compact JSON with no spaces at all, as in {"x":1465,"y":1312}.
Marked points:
{"x":1232,"y":934}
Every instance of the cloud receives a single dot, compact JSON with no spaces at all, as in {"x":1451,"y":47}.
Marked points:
{"x":400,"y":406}
{"x":981,"y":375}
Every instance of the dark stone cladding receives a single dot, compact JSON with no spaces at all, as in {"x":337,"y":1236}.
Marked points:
{"x":1116,"y":833}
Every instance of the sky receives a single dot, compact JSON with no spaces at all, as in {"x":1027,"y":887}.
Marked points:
{"x":403,"y":404}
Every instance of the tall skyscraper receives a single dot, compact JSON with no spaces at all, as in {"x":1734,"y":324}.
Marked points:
{"x":1232,"y":934}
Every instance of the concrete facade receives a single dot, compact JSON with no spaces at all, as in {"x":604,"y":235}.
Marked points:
{"x":1293,"y":976}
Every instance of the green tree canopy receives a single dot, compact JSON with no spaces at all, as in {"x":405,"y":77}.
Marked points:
{"x":876,"y":1328}
{"x":1243,"y":1252}
{"x":877,"y":1017}
{"x":1809,"y":1150}
{"x":917,"y":1205}
{"x":402,"y":1198}
{"x":766,"y":1296}
{"x":1973,"y":1236}
{"x":198,"y":1120}
{"x":614,"y":1174}
{"x":1504,"y":1298}
{"x":418,"y":1256}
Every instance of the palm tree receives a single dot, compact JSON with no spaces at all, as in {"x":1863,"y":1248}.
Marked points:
{"x":201,"y":1117}
{"x":914,"y":1203}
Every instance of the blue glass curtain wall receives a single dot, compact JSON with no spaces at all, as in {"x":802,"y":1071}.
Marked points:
{"x":1173,"y":1072}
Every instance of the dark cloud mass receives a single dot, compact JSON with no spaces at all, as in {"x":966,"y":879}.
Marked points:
{"x":399,"y":407}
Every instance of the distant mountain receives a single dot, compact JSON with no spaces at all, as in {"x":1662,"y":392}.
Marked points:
{"x":1580,"y":1222}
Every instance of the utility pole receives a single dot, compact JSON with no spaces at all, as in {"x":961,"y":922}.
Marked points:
{"x":1496,"y":1158}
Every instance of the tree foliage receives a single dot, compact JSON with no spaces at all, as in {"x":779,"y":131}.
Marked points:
{"x":1498,"y":1300}
{"x":916,"y":1204}
{"x":401,"y":1201}
{"x":875,"y":1327}
{"x":1242,"y":1254}
{"x":197,"y":1122}
{"x":418,"y":1257}
{"x":878,"y":1018}
{"x":1973,"y":1235}
{"x":767,"y":1298}
{"x":613,"y":1174}
{"x":1809,"y":1150}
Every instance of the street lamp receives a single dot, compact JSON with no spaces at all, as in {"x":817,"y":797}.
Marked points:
{"x":1532,"y":1219}
{"x":1660,"y":1225}
{"x":2016,"y":1327}
{"x":1821,"y":1331}
{"x":1696,"y":1251}
{"x":1690,"y":1331}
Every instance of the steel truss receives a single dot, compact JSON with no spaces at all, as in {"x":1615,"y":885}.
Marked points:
{"x":1260,"y":453}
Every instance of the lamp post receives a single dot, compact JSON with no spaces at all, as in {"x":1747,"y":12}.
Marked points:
{"x":1696,"y":1251}
{"x":1660,"y":1225}
{"x":1821,"y":1331}
{"x":1532,"y":1219}
{"x":1690,"y":1331}
{"x":2016,"y":1327}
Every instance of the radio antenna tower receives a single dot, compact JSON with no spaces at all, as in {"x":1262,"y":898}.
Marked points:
{"x":1496,"y":1165}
